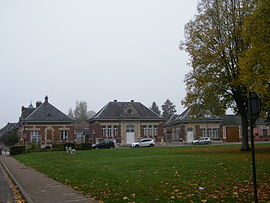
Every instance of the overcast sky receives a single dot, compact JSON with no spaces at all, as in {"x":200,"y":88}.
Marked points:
{"x":91,"y":50}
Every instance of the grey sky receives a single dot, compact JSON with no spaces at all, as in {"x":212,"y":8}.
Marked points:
{"x":91,"y":50}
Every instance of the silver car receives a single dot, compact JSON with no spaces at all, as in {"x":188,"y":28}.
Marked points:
{"x":145,"y":142}
{"x":203,"y":140}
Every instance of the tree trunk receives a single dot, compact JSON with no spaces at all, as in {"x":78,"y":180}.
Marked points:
{"x":245,"y":145}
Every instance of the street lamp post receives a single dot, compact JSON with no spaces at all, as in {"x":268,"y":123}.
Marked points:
{"x":254,"y":109}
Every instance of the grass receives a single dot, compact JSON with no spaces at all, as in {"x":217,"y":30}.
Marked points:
{"x":166,"y":174}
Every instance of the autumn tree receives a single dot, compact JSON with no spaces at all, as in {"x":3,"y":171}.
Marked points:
{"x":214,"y":43}
{"x":155,"y":108}
{"x":255,"y":61}
{"x":168,"y":109}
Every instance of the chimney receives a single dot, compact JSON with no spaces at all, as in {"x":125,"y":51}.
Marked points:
{"x":22,"y":108}
{"x":38,"y":103}
{"x":46,"y":99}
{"x":115,"y":100}
{"x":132,"y":100}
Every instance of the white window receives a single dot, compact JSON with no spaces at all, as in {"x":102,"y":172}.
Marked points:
{"x":80,"y":137}
{"x":203,"y":132}
{"x":35,"y":137}
{"x":145,"y":131}
{"x":155,"y":131}
{"x":215,"y":133}
{"x":130,"y":128}
{"x":64,"y":135}
{"x":211,"y":132}
{"x":150,"y":130}
{"x":109,"y":131}
{"x":264,"y":132}
{"x":115,"y":131}
{"x":104,"y":131}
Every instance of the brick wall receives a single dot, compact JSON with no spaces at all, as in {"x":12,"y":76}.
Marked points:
{"x":49,"y":133}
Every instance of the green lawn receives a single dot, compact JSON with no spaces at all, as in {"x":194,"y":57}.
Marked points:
{"x":167,"y":174}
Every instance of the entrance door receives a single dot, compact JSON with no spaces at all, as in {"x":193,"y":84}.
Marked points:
{"x":130,"y":134}
{"x":190,"y":136}
{"x":232,"y":134}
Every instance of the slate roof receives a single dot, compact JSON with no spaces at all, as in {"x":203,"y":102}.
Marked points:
{"x":235,"y":120}
{"x":231,"y":120}
{"x":47,"y":113}
{"x":115,"y":111}
{"x":8,"y":128}
{"x":172,"y":119}
{"x":26,"y":111}
{"x":197,"y":117}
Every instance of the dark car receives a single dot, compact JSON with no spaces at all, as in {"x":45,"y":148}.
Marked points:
{"x":106,"y":144}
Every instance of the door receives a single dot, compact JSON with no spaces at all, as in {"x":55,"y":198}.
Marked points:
{"x":190,"y":136}
{"x":130,"y":134}
{"x":232,"y":134}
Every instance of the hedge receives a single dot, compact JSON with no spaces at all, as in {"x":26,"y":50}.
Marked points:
{"x":77,"y":146}
{"x":58,"y":146}
{"x":83,"y":146}
{"x":18,"y":149}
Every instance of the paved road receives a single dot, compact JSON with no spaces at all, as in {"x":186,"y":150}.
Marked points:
{"x":6,"y":194}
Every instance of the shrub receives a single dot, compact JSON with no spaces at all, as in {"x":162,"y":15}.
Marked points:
{"x":11,"y":138}
{"x":69,"y":144}
{"x":83,"y":146}
{"x":33,"y":147}
{"x":58,"y":146}
{"x":19,"y":149}
{"x":62,"y":146}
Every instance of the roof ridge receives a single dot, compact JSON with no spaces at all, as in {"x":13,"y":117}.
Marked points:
{"x":152,"y":111}
{"x":46,"y":108}
{"x":98,"y":113}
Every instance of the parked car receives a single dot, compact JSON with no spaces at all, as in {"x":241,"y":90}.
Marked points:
{"x":145,"y":142}
{"x":203,"y":140}
{"x":106,"y":144}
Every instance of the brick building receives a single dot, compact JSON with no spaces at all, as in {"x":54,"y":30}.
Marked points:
{"x":232,"y":129}
{"x":125,"y":122}
{"x":189,"y":126}
{"x":81,"y":131}
{"x":45,"y":124}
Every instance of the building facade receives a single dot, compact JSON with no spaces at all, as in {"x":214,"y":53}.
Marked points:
{"x":232,"y":129}
{"x":186,"y":127}
{"x":81,"y":131}
{"x":45,"y":124}
{"x":126,"y":122}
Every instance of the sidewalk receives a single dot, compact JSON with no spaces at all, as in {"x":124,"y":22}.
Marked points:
{"x":37,"y":187}
{"x":6,"y":194}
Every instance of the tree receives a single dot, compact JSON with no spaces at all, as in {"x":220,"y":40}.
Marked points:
{"x":214,"y":42}
{"x":255,"y":61}
{"x":80,"y":112}
{"x":70,"y":113}
{"x":155,"y":108}
{"x":168,"y":109}
{"x":10,"y":138}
